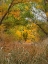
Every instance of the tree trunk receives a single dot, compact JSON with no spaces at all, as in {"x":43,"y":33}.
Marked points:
{"x":6,"y":12}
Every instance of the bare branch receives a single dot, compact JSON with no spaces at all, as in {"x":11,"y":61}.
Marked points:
{"x":6,"y":12}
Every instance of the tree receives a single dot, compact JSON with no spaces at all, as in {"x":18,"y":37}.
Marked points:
{"x":6,"y":12}
{"x":13,"y":2}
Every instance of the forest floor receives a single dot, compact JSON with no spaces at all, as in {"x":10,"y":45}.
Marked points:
{"x":39,"y":48}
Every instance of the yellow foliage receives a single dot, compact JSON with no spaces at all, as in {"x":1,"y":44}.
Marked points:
{"x":22,"y":33}
{"x":18,"y":18}
{"x":33,"y":36}
{"x":40,"y":6}
{"x":29,"y":31}
{"x":24,"y":1}
{"x":3,"y":6}
{"x":18,"y":33}
{"x":32,"y":33}
{"x":25,"y":30}
{"x":20,"y":1}
{"x":26,"y":7}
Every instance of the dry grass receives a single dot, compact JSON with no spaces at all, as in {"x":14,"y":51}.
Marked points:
{"x":13,"y":52}
{"x":17,"y":53}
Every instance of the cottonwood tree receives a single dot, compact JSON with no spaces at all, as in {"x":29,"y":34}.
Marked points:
{"x":13,"y":2}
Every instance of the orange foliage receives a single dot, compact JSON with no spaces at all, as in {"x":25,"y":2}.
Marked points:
{"x":23,"y":1}
{"x":19,"y":1}
{"x":1,"y":8}
{"x":28,"y":41}
{"x":0,"y":14}
{"x":16,"y":13}
{"x":47,"y":14}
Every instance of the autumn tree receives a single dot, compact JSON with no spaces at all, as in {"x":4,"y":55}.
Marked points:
{"x":13,"y":2}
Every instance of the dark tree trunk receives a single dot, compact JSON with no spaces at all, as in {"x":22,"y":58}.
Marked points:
{"x":42,"y":29}
{"x":6,"y":12}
